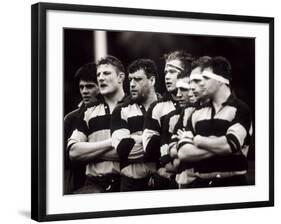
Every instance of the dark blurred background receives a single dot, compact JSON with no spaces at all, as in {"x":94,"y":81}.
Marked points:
{"x":80,"y":45}
{"x":128,"y":46}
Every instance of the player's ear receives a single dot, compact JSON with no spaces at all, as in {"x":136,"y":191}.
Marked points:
{"x":152,"y":80}
{"x":121,"y":76}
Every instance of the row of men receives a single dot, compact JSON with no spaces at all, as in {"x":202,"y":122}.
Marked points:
{"x":196,"y":135}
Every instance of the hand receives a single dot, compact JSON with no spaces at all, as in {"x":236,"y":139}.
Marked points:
{"x":170,"y":167}
{"x":173,"y":166}
{"x":174,"y":151}
{"x":184,"y":134}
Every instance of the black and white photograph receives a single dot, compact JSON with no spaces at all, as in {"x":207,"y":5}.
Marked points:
{"x":147,"y":112}
{"x":157,"y":111}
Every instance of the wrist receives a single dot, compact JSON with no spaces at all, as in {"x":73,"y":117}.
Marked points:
{"x":198,"y":140}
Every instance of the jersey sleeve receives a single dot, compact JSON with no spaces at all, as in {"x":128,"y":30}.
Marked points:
{"x":151,"y":133}
{"x":80,"y":134}
{"x":240,"y":128}
{"x":121,"y":140}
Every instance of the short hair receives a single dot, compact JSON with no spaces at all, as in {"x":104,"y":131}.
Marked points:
{"x":147,"y":65}
{"x":221,"y":66}
{"x":201,"y":62}
{"x":184,"y":57}
{"x":87,"y":72}
{"x":111,"y":60}
{"x":183,"y":74}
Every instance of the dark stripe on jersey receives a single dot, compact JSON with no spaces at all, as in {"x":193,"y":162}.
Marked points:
{"x":170,"y":120}
{"x":152,"y":124}
{"x":233,"y":142}
{"x":99,"y":123}
{"x":222,"y":163}
{"x":82,"y":127}
{"x":116,"y":121}
{"x":124,"y":148}
{"x":152,"y":153}
{"x":135,"y":123}
{"x":215,"y":127}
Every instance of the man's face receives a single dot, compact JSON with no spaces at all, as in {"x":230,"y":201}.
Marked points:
{"x":197,"y":85}
{"x":140,"y":85}
{"x":184,"y":92}
{"x":88,"y":91}
{"x":172,"y":69}
{"x":211,"y":85}
{"x":109,"y":80}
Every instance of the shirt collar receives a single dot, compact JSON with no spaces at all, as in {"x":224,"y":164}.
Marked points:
{"x":229,"y":101}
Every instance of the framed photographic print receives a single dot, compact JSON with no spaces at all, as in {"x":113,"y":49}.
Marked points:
{"x":138,"y":111}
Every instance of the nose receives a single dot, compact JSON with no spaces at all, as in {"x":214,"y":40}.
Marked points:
{"x":132,"y":84}
{"x":192,"y":87}
{"x":179,"y":94}
{"x":84,"y":89}
{"x":190,"y":93}
{"x":167,"y":76}
{"x":100,"y":77}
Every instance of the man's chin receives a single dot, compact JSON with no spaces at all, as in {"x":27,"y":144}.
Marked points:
{"x":182,"y":104}
{"x":171,"y":90}
{"x":137,"y":99}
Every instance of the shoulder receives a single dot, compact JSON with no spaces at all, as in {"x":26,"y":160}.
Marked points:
{"x":160,"y":104}
{"x":199,"y":107}
{"x":243,"y":110}
{"x":72,"y":115}
{"x":240,"y":104}
{"x":75,"y":114}
{"x":174,"y":113}
{"x":120,"y":107}
{"x":95,"y":105}
{"x":188,"y":110}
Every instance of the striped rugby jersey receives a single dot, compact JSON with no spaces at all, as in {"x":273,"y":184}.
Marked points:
{"x":127,"y":120}
{"x":175,"y":120}
{"x":233,"y":120}
{"x":153,"y":125}
{"x":94,"y":126}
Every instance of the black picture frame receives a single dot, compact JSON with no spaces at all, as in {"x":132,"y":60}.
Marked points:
{"x":39,"y":109}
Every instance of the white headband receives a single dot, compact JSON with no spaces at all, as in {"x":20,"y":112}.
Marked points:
{"x":175,"y":66}
{"x":212,"y":75}
{"x":196,"y":76}
{"x":181,"y":84}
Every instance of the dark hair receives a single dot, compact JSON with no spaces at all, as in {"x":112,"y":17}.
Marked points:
{"x":201,"y":62}
{"x":184,"y":57}
{"x":221,"y":66}
{"x":183,"y":74}
{"x":111,"y":60}
{"x":147,"y":65}
{"x":86,"y":72}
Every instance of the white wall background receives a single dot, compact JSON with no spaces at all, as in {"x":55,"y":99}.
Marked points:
{"x":15,"y":110}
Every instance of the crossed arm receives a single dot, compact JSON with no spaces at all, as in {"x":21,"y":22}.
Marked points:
{"x":85,"y":151}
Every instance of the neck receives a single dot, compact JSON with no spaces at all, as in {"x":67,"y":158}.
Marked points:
{"x":173,"y":94}
{"x":150,"y":99}
{"x":112,"y":100}
{"x":221,"y":96}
